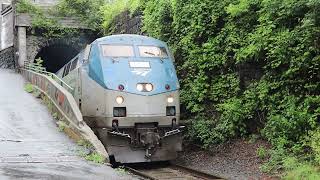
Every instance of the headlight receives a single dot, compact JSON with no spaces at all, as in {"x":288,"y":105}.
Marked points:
{"x":144,"y":87}
{"x":140,"y":87}
{"x":170,"y":99}
{"x":119,"y":100}
{"x":149,"y":87}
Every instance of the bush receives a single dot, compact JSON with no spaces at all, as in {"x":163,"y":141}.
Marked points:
{"x":313,"y":141}
{"x":241,"y":63}
{"x":297,"y":170}
{"x":290,"y":121}
{"x":214,"y":40}
{"x":45,"y":20}
{"x":87,"y":10}
{"x":112,"y":9}
{"x":95,"y":157}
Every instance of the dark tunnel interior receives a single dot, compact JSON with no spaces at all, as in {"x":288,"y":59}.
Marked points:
{"x":56,"y":56}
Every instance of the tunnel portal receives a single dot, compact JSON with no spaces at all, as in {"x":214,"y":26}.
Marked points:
{"x":56,"y":56}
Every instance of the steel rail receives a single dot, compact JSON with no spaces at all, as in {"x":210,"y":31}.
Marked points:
{"x":182,"y":172}
{"x":139,"y":173}
{"x":195,"y":172}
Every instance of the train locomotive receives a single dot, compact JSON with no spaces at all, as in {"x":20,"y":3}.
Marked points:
{"x":128,"y":92}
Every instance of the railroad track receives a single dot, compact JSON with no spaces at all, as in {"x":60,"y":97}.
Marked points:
{"x":170,"y":172}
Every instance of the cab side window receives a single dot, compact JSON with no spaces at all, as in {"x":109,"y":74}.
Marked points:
{"x":74,"y":64}
{"x":66,"y":70}
{"x":70,"y":67}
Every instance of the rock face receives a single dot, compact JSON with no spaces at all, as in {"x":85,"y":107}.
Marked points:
{"x":126,"y":23}
{"x":7,"y":58}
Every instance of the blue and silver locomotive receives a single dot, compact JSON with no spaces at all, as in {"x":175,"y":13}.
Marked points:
{"x":128,"y":92}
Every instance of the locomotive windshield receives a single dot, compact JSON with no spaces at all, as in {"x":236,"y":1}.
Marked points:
{"x":117,"y":50}
{"x":152,"y":51}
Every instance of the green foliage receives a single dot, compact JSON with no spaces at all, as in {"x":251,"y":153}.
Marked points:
{"x":95,"y":157}
{"x":37,"y":66}
{"x":88,"y":152}
{"x":253,"y":138}
{"x":313,"y":141}
{"x":46,"y":22}
{"x":112,"y":9}
{"x":275,"y":162}
{"x":296,"y":170}
{"x":121,"y":170}
{"x":85,"y":143}
{"x":28,"y":88}
{"x":88,"y":11}
{"x":62,"y":125}
{"x":262,"y":153}
{"x":24,"y":6}
{"x":215,"y":43}
{"x":214,"y":40}
{"x":158,"y":14}
{"x":290,"y":121}
{"x":55,"y":115}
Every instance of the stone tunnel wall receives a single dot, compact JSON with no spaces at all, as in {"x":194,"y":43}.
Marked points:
{"x":66,"y":47}
{"x":36,"y":43}
{"x":7,"y":58}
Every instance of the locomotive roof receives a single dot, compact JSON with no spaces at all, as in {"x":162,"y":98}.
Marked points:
{"x":130,"y":39}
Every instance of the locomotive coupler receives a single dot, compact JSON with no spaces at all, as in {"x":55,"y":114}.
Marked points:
{"x":147,"y":136}
{"x":151,"y":141}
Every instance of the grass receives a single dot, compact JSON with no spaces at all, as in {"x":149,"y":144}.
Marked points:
{"x":95,"y":157}
{"x":62,"y":125}
{"x":55,"y":115}
{"x":296,"y":170}
{"x":253,"y":138}
{"x":85,"y":144}
{"x":262,"y":153}
{"x":121,"y":170}
{"x":28,"y":88}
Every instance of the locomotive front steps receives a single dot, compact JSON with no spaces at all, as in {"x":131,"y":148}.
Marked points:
{"x":66,"y":107}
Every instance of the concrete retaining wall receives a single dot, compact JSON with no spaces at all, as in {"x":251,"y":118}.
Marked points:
{"x":67,"y":106}
{"x":7,"y":58}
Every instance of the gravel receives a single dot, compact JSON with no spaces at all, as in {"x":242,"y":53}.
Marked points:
{"x":236,"y":159}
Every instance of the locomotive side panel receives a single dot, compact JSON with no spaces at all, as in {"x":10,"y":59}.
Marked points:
{"x":93,"y":103}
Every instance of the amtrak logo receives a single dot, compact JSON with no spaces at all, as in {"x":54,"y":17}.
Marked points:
{"x":141,"y":72}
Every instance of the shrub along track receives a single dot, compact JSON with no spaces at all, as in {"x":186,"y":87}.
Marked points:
{"x":168,"y":172}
